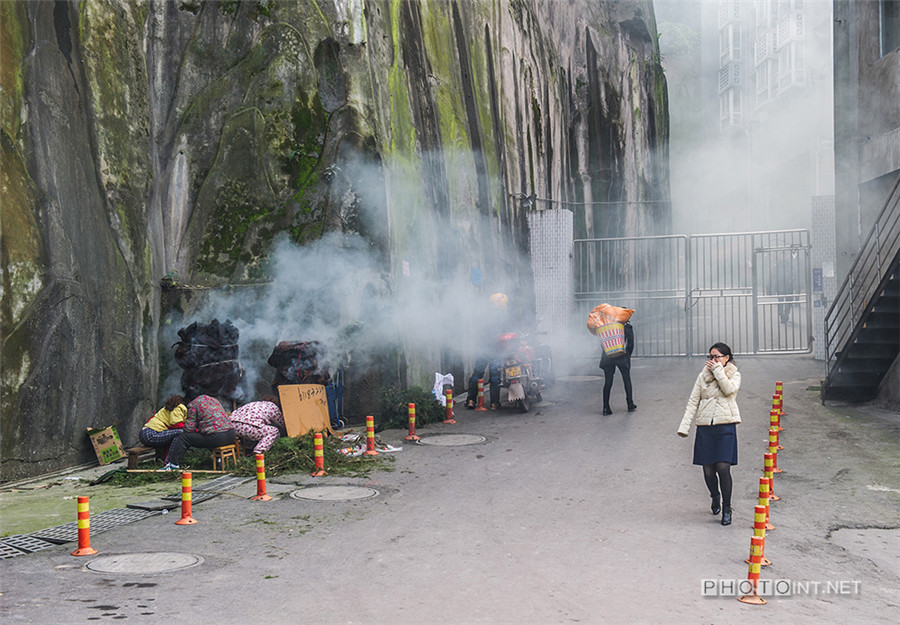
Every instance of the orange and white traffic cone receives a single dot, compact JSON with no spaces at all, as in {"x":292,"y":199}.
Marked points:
{"x":370,"y":437}
{"x":261,"y":479}
{"x":480,"y":407}
{"x":773,"y":451}
{"x":448,"y":411}
{"x":770,"y":475}
{"x":186,"y":518}
{"x":753,"y":573}
{"x":764,"y":500}
{"x":773,"y":438}
{"x":411,"y":408}
{"x":774,"y":418}
{"x":779,"y":388}
{"x":776,"y":406}
{"x":319,"y":449}
{"x":84,"y":529}
{"x":759,"y":529}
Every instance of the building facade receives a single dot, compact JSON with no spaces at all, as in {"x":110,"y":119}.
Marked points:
{"x":866,"y":118}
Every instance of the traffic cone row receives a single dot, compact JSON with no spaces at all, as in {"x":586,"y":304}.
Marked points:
{"x":761,"y":522}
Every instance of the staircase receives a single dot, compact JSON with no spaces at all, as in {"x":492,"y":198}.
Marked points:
{"x":862,"y":327}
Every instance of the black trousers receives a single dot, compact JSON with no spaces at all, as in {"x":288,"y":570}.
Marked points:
{"x":195,"y":439}
{"x":609,"y":373}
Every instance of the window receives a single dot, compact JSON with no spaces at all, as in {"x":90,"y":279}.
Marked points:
{"x":889,"y":25}
{"x":730,"y":108}
{"x":730,"y":43}
{"x":762,"y":82}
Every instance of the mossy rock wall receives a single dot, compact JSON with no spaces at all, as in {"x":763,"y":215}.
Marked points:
{"x":142,"y":138}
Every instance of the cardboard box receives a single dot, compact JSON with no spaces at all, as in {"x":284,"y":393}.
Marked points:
{"x":305,"y":408}
{"x":107,"y":444}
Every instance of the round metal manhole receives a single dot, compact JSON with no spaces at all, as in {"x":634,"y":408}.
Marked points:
{"x":580,"y":378}
{"x":451,"y":440}
{"x":334,"y":493}
{"x":146,"y":563}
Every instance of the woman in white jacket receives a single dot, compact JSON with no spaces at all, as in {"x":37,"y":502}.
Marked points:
{"x":713,"y":405}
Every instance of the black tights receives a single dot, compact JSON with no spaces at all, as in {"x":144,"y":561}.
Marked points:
{"x":719,"y":475}
{"x":609,"y":374}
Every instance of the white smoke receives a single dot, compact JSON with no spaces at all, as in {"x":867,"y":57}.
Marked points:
{"x":342,"y":291}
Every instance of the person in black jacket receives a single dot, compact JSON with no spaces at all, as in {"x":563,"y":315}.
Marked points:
{"x":623,"y":362}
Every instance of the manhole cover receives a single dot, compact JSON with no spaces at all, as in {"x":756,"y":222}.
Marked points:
{"x":144,"y":563}
{"x":579,"y":378}
{"x":334,"y":493}
{"x":451,"y":440}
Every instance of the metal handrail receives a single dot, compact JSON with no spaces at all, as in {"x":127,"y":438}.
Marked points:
{"x":864,"y":278}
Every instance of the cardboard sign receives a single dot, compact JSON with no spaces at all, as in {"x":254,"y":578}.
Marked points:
{"x":305,"y":408}
{"x":107,"y":444}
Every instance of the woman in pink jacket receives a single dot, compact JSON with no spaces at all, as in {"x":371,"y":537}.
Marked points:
{"x":713,"y":405}
{"x":259,"y":421}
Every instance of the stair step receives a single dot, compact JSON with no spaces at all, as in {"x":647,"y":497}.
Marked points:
{"x":849,"y":393}
{"x":857,"y":378}
{"x":870,"y":366}
{"x":872,"y":350}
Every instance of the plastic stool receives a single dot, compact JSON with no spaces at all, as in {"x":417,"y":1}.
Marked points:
{"x":222,"y":454}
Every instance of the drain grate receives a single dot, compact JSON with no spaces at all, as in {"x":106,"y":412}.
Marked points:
{"x":196,"y":497}
{"x":26,"y":543}
{"x":9,"y":552}
{"x":226,"y":482}
{"x":210,"y":489}
{"x":109,"y":519}
{"x":106,"y":520}
{"x":60,"y":534}
{"x":158,"y":505}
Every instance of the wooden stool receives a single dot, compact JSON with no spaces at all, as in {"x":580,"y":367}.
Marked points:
{"x":134,"y":455}
{"x":221,"y":456}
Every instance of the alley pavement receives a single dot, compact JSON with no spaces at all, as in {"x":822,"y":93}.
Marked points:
{"x":560,"y":515}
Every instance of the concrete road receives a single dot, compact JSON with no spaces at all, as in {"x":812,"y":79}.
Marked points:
{"x":559,"y":516}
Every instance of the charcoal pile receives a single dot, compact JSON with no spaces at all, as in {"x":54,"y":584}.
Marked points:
{"x":299,"y":362}
{"x":209,"y":356}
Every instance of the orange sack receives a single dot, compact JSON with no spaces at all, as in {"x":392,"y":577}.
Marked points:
{"x":605,"y":314}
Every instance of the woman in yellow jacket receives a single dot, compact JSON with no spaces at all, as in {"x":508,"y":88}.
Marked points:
{"x":165,"y":425}
{"x":713,"y":405}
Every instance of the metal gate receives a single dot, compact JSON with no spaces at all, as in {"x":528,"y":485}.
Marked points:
{"x":751,"y":290}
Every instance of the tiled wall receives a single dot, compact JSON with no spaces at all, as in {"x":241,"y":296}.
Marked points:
{"x":552,"y":248}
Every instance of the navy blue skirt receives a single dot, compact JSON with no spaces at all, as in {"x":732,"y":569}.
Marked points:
{"x":716,"y":443}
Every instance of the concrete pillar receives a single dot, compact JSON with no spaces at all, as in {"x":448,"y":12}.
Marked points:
{"x":551,"y":241}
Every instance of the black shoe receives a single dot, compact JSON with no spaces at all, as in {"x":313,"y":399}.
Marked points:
{"x":726,"y":515}
{"x":632,"y":408}
{"x":607,"y":411}
{"x":716,"y":504}
{"x":470,"y":404}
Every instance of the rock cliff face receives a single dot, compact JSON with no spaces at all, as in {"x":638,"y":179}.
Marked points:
{"x":142,"y":138}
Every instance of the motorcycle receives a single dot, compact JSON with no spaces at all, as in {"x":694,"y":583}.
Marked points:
{"x":525,"y":371}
